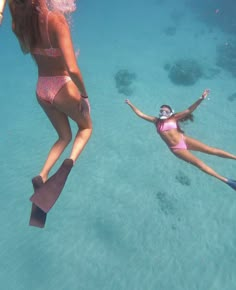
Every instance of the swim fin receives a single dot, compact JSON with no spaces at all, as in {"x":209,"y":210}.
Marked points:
{"x":37,"y":217}
{"x":231,"y":183}
{"x":46,"y":196}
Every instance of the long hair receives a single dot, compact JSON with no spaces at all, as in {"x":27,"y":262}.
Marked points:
{"x":25,"y":22}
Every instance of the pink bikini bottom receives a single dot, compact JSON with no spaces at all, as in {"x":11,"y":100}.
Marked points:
{"x":48,"y":87}
{"x":180,"y":146}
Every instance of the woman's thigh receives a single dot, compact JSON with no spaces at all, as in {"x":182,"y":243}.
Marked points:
{"x":58,"y":119}
{"x":69,"y":101}
{"x":196,"y":145}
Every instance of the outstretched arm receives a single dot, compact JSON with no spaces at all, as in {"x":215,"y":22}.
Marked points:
{"x":141,"y":114}
{"x":193,"y":107}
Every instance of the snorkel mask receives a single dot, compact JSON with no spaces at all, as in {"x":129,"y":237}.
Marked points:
{"x":165,"y":112}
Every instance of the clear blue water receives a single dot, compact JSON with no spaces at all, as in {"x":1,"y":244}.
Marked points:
{"x":131,"y":216}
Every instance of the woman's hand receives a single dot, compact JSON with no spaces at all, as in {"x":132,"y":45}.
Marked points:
{"x":205,"y":94}
{"x":127,"y":102}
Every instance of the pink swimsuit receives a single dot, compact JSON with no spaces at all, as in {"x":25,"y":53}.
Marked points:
{"x":168,"y":125}
{"x":49,"y":86}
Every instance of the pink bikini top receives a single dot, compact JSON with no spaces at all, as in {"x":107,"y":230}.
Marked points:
{"x":166,"y":125}
{"x":50,"y":52}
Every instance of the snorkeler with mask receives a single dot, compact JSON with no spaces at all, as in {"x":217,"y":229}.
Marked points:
{"x":167,"y":125}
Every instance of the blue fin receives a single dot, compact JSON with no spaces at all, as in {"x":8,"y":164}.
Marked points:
{"x":231,"y":183}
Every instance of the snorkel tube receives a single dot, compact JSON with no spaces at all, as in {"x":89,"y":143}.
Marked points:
{"x":2,"y":6}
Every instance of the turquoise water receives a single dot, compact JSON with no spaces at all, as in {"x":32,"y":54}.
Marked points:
{"x":131,"y":216}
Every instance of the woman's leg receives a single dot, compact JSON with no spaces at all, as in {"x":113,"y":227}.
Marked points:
{"x":189,"y":157}
{"x":61,"y":124}
{"x":196,"y":145}
{"x":69,"y":101}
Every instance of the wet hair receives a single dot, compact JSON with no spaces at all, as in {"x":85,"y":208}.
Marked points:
{"x":168,"y":107}
{"x":25,"y":22}
{"x":189,"y":117}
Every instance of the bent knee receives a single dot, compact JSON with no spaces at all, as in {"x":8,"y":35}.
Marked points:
{"x":89,"y":132}
{"x":215,"y":151}
{"x":86,"y":132}
{"x":66,"y":139}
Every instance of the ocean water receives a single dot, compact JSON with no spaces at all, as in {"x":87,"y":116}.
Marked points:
{"x":132,"y":216}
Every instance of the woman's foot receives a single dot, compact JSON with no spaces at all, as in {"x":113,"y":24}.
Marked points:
{"x":37,"y":217}
{"x":46,"y":196}
{"x":231,"y":183}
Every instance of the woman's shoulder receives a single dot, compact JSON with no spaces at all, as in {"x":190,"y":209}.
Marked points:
{"x":156,"y":120}
{"x":57,"y":19}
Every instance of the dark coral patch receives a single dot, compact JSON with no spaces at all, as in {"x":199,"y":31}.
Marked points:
{"x":166,"y":203}
{"x":219,"y":13}
{"x":232,"y":97}
{"x":183,"y":179}
{"x":124,"y":80}
{"x":185,"y":72}
{"x":170,"y":30}
{"x":226,"y":57}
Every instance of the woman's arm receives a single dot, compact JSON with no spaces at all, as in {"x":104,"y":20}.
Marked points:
{"x":63,"y":38}
{"x":2,"y":6}
{"x":141,"y":114}
{"x":13,"y":27}
{"x":193,"y":107}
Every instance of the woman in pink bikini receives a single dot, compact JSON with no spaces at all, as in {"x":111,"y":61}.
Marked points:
{"x":168,"y":128}
{"x":61,"y":93}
